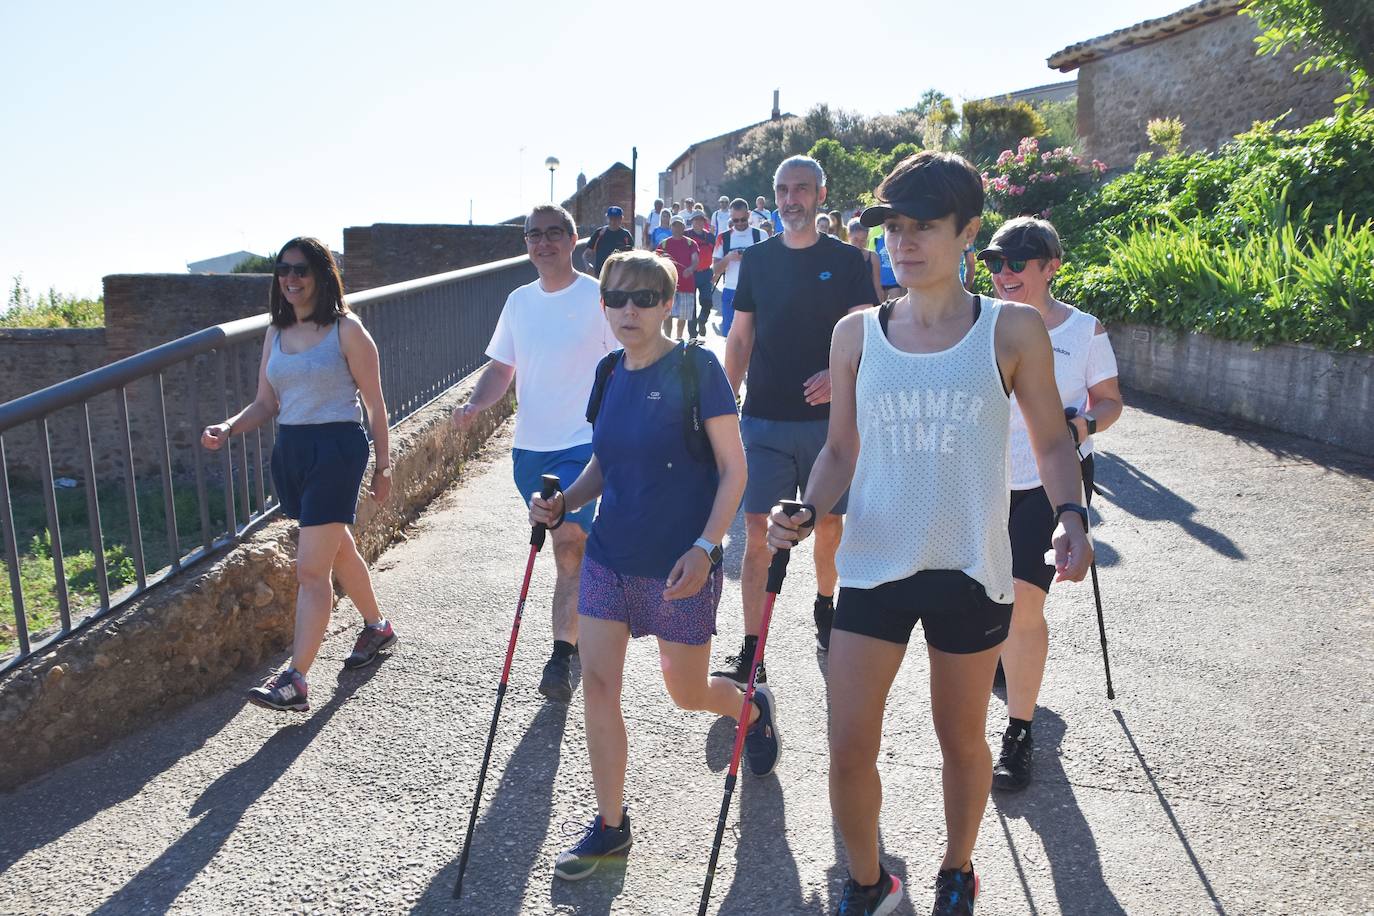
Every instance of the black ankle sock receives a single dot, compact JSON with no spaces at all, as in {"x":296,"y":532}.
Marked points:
{"x":563,"y":649}
{"x":750,"y":644}
{"x":877,"y":885}
{"x":825,"y":599}
{"x":1014,"y":723}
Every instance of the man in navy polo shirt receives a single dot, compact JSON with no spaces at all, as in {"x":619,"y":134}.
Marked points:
{"x":792,"y":290}
{"x":608,"y":239}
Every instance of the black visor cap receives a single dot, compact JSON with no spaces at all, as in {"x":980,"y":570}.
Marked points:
{"x":922,"y":208}
{"x":1027,"y":250}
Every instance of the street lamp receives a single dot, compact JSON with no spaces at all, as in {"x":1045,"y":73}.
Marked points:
{"x":551,"y":163}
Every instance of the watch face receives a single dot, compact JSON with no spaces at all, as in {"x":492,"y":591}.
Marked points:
{"x":717,"y":555}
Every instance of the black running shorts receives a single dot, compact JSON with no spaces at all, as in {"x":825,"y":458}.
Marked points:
{"x":955,"y":611}
{"x":1031,"y":526}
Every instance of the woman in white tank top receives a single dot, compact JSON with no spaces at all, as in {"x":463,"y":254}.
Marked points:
{"x":919,"y":424}
{"x":1022,"y":258}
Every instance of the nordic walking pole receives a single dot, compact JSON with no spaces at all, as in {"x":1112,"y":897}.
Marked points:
{"x":549,"y":486}
{"x":777,"y":570}
{"x":1069,"y":414}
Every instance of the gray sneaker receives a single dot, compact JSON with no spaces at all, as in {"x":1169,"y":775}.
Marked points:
{"x":284,"y":691}
{"x":371,"y":642}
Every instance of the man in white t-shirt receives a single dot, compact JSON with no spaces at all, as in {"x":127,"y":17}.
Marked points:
{"x":760,"y":214}
{"x":550,"y":337}
{"x":650,"y":223}
{"x":720,"y":220}
{"x":725,"y":259}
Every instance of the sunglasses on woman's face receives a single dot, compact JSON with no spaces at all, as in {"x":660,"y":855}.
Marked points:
{"x":300,"y":270}
{"x":642,"y":298}
{"x":995,"y":265}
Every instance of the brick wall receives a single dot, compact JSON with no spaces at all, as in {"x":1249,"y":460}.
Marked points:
{"x":612,"y":187}
{"x":1209,"y":76}
{"x":386,"y":253}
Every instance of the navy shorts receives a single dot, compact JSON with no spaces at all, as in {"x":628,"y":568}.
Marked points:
{"x":779,"y":455}
{"x":568,"y":463}
{"x":317,"y":469}
{"x":1031,"y":525}
{"x":954,"y":610}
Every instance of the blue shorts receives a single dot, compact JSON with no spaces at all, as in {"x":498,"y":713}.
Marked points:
{"x":317,"y":469}
{"x":779,"y":455}
{"x":567,"y":463}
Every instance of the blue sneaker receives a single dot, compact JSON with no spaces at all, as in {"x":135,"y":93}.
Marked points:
{"x":877,"y":900}
{"x":762,"y":745}
{"x":955,"y":892}
{"x":598,"y":843}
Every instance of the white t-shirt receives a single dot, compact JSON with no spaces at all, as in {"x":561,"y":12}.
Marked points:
{"x":720,"y":220}
{"x":738,"y":239}
{"x":758,"y":217}
{"x":554,"y":341}
{"x":1082,"y":358}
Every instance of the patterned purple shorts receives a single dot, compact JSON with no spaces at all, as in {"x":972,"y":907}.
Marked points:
{"x":637,"y":601}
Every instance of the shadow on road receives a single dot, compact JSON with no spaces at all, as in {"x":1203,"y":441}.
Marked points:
{"x":222,"y":805}
{"x":1050,"y":809}
{"x":1131,"y":489}
{"x":504,"y":856}
{"x":1169,"y":813}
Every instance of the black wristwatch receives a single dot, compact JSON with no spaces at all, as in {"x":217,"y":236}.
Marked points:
{"x":713,"y":551}
{"x":1092,"y":424}
{"x":1071,"y":507}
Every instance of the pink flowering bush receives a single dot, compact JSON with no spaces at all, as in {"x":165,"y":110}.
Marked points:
{"x":1030,"y":182}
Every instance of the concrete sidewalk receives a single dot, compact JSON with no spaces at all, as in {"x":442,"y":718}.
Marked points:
{"x":1232,"y":775}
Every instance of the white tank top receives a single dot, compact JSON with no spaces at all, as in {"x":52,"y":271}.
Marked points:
{"x":930,"y":485}
{"x":1082,"y":358}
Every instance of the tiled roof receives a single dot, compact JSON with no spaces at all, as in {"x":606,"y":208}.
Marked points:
{"x":1143,"y":33}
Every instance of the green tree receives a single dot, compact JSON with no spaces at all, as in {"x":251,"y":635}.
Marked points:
{"x":255,"y":264}
{"x":50,"y":310}
{"x":850,"y":175}
{"x":1061,"y":122}
{"x":1339,"y":33}
{"x":991,"y":126}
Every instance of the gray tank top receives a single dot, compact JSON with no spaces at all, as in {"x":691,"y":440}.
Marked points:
{"x":313,"y":386}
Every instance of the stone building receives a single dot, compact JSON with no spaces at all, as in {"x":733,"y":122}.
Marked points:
{"x":615,"y":186}
{"x":1198,"y":65}
{"x":699,"y":170}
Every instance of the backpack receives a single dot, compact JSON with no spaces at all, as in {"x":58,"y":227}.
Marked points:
{"x":725,"y":240}
{"x":698,"y":444}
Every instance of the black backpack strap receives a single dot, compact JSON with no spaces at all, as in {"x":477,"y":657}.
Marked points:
{"x":758,"y":234}
{"x":698,"y":443}
{"x":603,"y":375}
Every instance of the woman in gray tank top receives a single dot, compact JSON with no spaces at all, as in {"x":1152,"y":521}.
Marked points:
{"x":919,"y":426}
{"x":318,"y":362}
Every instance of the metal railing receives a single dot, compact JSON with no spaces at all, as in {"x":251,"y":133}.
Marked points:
{"x":430,"y":333}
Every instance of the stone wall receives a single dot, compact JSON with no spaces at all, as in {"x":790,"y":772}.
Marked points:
{"x":1296,"y":388}
{"x":612,"y":187}
{"x":1208,"y":76}
{"x":185,"y":638}
{"x":386,"y":253}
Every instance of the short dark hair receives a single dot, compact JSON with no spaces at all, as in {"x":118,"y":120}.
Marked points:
{"x":329,"y":298}
{"x":947,"y":177}
{"x":739,"y":203}
{"x":564,"y":217}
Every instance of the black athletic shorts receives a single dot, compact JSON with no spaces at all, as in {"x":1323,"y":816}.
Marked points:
{"x":955,"y":611}
{"x":1031,"y":526}
{"x":317,"y":469}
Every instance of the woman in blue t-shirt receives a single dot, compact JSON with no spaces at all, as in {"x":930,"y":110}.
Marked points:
{"x":663,"y":230}
{"x":669,"y":467}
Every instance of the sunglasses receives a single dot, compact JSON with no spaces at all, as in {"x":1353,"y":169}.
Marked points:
{"x":995,"y":265}
{"x":285,"y":269}
{"x":617,"y":298}
{"x":552,"y":234}
{"x":741,"y":221}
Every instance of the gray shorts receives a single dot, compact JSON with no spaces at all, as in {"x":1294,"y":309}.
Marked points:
{"x":779,"y":455}
{"x":684,"y":306}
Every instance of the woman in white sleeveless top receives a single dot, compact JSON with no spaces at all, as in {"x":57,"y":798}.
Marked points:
{"x":318,"y":362}
{"x":1023,"y":257}
{"x":919,"y":424}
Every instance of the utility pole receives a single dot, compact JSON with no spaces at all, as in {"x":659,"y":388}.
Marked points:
{"x":634,"y":184}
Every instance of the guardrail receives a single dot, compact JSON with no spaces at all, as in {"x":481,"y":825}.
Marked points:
{"x":430,"y":333}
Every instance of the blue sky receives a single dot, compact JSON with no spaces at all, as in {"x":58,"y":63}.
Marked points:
{"x":138,"y":136}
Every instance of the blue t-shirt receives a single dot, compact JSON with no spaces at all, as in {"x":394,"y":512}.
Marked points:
{"x":658,"y":234}
{"x":884,"y":262}
{"x":656,"y":496}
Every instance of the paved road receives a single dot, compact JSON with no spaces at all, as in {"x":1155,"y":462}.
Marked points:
{"x":1232,"y":775}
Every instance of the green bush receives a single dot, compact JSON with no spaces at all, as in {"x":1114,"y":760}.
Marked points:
{"x":991,"y":126}
{"x":50,"y":310}
{"x":1026,"y":181}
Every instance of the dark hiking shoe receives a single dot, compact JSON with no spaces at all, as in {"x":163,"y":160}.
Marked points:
{"x":881,"y":898}
{"x":824,"y":613}
{"x":762,"y":746}
{"x":371,"y":642}
{"x":556,"y":684}
{"x":1012,"y":772}
{"x":598,"y":844}
{"x":737,"y":668}
{"x":955,"y":892}
{"x":284,"y":691}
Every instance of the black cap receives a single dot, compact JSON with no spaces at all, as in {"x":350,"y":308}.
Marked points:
{"x":1022,"y":245}
{"x":925,"y":208}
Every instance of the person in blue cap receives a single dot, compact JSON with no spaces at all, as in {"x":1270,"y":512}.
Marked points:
{"x":608,"y":239}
